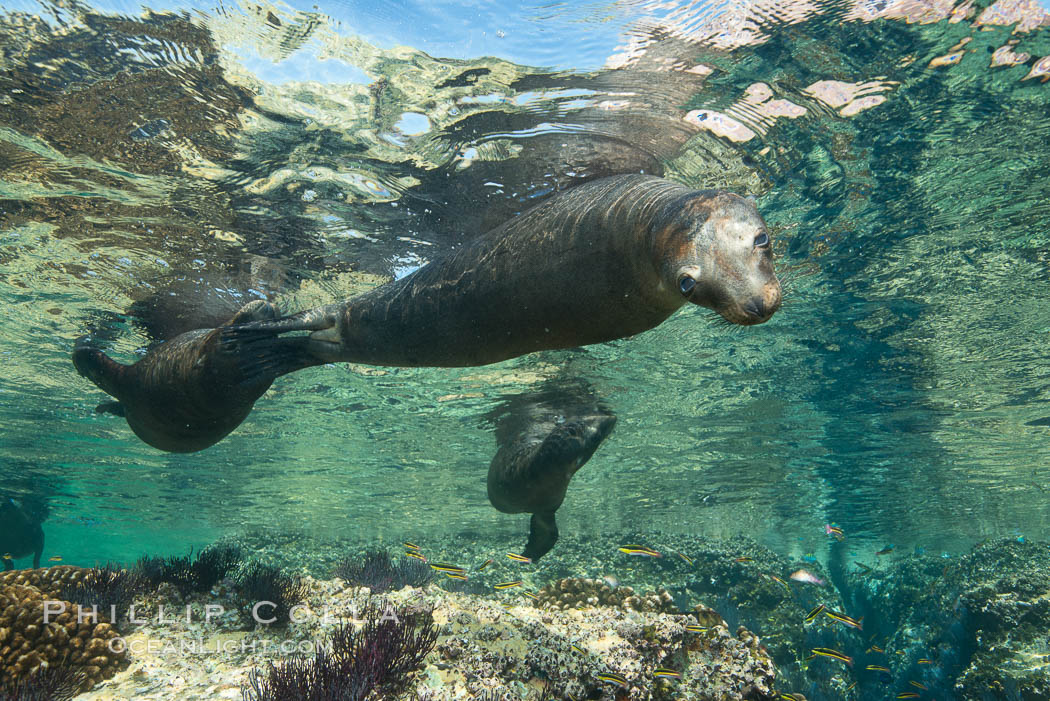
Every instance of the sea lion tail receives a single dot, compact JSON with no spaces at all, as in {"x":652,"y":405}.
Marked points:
{"x":96,"y":366}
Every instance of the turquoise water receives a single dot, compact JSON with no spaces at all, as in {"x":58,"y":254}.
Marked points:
{"x":161,"y":166}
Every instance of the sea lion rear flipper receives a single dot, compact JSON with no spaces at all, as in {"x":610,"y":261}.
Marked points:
{"x":261,"y":352}
{"x":543,"y":534}
{"x":317,"y":319}
{"x":115,"y":408}
{"x":256,"y":310}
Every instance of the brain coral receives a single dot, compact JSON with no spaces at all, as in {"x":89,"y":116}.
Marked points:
{"x":27,"y":642}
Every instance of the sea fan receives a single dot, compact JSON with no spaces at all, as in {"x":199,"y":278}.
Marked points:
{"x":110,"y":588}
{"x":376,"y":571}
{"x":189,"y":574}
{"x":370,"y":663}
{"x":260,"y":582}
{"x":55,"y":683}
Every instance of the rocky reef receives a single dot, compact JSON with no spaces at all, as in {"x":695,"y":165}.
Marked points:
{"x":503,"y":645}
{"x":975,"y":628}
{"x":579,"y":592}
{"x":725,"y":621}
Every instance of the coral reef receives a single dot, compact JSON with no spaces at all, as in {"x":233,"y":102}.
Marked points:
{"x":575,"y":650}
{"x":27,"y":643}
{"x":376,"y":661}
{"x":485,"y":647}
{"x":574,"y":592}
{"x":375,"y":570}
{"x":47,"y":580}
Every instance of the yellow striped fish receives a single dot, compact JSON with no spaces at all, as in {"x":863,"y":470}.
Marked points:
{"x":813,"y":614}
{"x":639,"y":550}
{"x":508,"y":585}
{"x":843,"y":618}
{"x":834,"y":654}
{"x":612,"y":678}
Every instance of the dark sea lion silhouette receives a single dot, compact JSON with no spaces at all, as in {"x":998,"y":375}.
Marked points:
{"x":20,"y":533}
{"x":543,"y":439}
{"x":188,"y":393}
{"x":608,"y":259}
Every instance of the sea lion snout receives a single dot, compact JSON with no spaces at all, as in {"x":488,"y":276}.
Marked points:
{"x":761,"y":307}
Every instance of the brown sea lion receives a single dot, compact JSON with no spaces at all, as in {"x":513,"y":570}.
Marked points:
{"x":608,"y":259}
{"x":543,"y":439}
{"x":187,"y":393}
{"x":20,"y":533}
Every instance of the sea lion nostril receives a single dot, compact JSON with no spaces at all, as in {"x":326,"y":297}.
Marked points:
{"x":755,"y":307}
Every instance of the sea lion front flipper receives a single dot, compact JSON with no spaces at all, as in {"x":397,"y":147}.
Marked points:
{"x":96,"y":366}
{"x":543,"y":534}
{"x":115,"y":408}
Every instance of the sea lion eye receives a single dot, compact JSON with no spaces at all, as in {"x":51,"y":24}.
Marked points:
{"x":762,"y":240}
{"x":686,"y":284}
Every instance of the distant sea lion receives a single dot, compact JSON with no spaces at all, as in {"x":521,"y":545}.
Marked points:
{"x":543,"y":440}
{"x":187,"y":393}
{"x":608,"y":259}
{"x":20,"y":535}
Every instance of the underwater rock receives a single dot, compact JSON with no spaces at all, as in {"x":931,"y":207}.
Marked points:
{"x":972,"y":628}
{"x":738,"y":578}
{"x":577,"y":592}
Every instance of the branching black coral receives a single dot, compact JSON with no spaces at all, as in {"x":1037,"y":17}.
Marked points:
{"x":379,"y":573}
{"x":370,"y":662}
{"x":111,"y":588}
{"x":189,"y":574}
{"x":259,"y":582}
{"x":59,"y":682}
